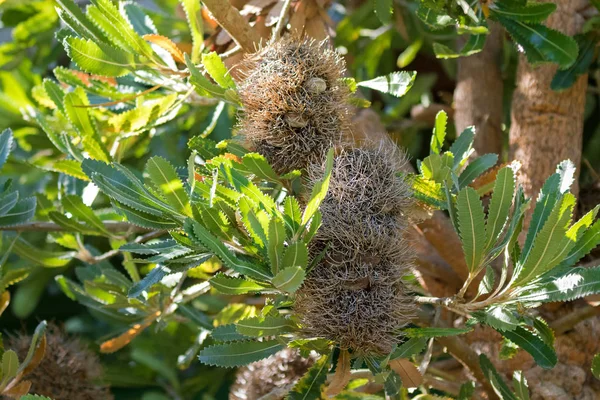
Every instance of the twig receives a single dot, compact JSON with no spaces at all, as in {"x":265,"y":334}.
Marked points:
{"x":281,"y":22}
{"x":111,"y":226}
{"x":567,"y":322}
{"x":230,"y":19}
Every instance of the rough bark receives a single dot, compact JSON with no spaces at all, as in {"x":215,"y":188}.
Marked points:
{"x":547,"y":125}
{"x":478,"y":94}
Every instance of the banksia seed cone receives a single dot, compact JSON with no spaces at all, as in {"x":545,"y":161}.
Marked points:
{"x":68,"y":370}
{"x":295,"y":105}
{"x":280,"y":371}
{"x":355,"y":295}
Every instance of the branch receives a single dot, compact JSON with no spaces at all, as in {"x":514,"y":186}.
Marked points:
{"x":281,"y":22}
{"x":567,"y":322}
{"x":238,"y":28}
{"x":111,"y":226}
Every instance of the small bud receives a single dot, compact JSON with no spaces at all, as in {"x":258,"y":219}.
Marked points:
{"x":296,"y":120}
{"x":316,"y":85}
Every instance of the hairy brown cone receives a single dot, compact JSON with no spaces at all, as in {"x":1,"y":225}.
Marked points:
{"x":295,"y":105}
{"x":355,"y":295}
{"x":68,"y":370}
{"x":258,"y":379}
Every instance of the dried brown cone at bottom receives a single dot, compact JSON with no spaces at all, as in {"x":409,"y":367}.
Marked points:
{"x":280,"y":371}
{"x":355,"y":295}
{"x":68,"y":371}
{"x":295,"y":104}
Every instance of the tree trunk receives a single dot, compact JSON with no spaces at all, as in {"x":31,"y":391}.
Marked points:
{"x":547,"y":126}
{"x":478,"y":94}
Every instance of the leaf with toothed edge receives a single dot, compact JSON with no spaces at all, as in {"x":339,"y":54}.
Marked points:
{"x":227,"y":333}
{"x":289,"y":279}
{"x":6,"y":141}
{"x":164,"y":177}
{"x":309,"y":386}
{"x":543,"y":354}
{"x":500,"y":203}
{"x":238,"y":353}
{"x":471,"y":222}
{"x":265,"y":326}
{"x":495,"y":379}
{"x":395,"y":84}
{"x":98,"y":58}
{"x":234,"y":285}
{"x":22,"y":212}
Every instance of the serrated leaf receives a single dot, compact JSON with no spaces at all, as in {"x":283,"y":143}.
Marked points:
{"x":462,"y":146}
{"x":22,"y":212}
{"x":540,"y":43}
{"x":466,"y":391}
{"x":587,"y":242}
{"x":143,"y":219}
{"x":473,"y":45}
{"x":165,"y":179}
{"x":295,"y":255}
{"x":6,"y":141}
{"x":194,"y":20}
{"x":543,"y":354}
{"x":234,"y":285}
{"x":487,"y":283}
{"x":265,"y":326}
{"x":72,"y":15}
{"x":428,"y":191}
{"x":471,"y":222}
{"x":239,"y":353}
{"x":309,"y":386}
{"x":292,"y":215}
{"x":564,"y":79}
{"x":579,"y":282}
{"x":498,"y":384}
{"x":276,"y":239}
{"x":167,"y":44}
{"x":319,"y":191}
{"x":520,"y":385}
{"x":532,"y":12}
{"x":546,"y":244}
{"x":434,"y":332}
{"x":383,"y":10}
{"x":258,"y":165}
{"x":476,"y":168}
{"x":289,"y":279}
{"x":227,"y":333}
{"x":498,"y":317}
{"x":98,"y":58}
{"x":409,"y":348}
{"x":439,"y":132}
{"x":395,"y":84}
{"x":217,"y":70}
{"x":201,"y":84}
{"x":74,"y":205}
{"x":68,"y":167}
{"x":498,"y":212}
{"x":8,"y":201}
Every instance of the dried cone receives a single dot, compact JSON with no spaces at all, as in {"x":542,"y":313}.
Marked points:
{"x":295,"y":104}
{"x":68,"y":370}
{"x":355,"y":295}
{"x":280,"y":371}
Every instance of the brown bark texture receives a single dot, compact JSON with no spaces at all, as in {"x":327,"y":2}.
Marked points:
{"x":546,"y":125}
{"x":478,"y":94}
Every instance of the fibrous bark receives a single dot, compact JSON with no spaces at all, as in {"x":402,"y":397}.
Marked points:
{"x":547,"y":125}
{"x":478,"y":94}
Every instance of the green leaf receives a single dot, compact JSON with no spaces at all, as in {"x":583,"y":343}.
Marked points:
{"x":265,"y":326}
{"x":427,"y":191}
{"x":289,"y":279}
{"x":587,"y":53}
{"x":532,"y":12}
{"x":383,"y":10}
{"x":396,"y":83}
{"x":292,"y":215}
{"x":50,"y":259}
{"x":579,"y":282}
{"x":409,"y":54}
{"x":439,"y":132}
{"x":319,"y":191}
{"x":165,"y":179}
{"x":474,"y":45}
{"x":546,"y":244}
{"x":22,"y":212}
{"x":153,"y":277}
{"x":498,"y":317}
{"x":276,"y":239}
{"x":309,"y":386}
{"x":68,"y":167}
{"x":295,"y":255}
{"x":8,"y":201}
{"x":6,"y":142}
{"x":201,"y":84}
{"x":239,"y":353}
{"x":434,"y":332}
{"x":217,"y":70}
{"x":143,"y":219}
{"x":409,"y":348}
{"x":466,"y":391}
{"x":471,"y":222}
{"x":588,"y":242}
{"x":10,"y":366}
{"x":252,"y":221}
{"x":200,"y":234}
{"x":234,"y":285}
{"x":74,"y":205}
{"x":476,"y":168}
{"x":462,"y":146}
{"x":543,"y":354}
{"x":487,"y":283}
{"x":227,"y":333}
{"x":596,"y":366}
{"x":520,"y":385}
{"x":194,"y":20}
{"x":498,"y":212}
{"x":98,"y":58}
{"x":540,"y":43}
{"x":258,"y":165}
{"x":499,"y":386}
{"x":72,"y":15}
